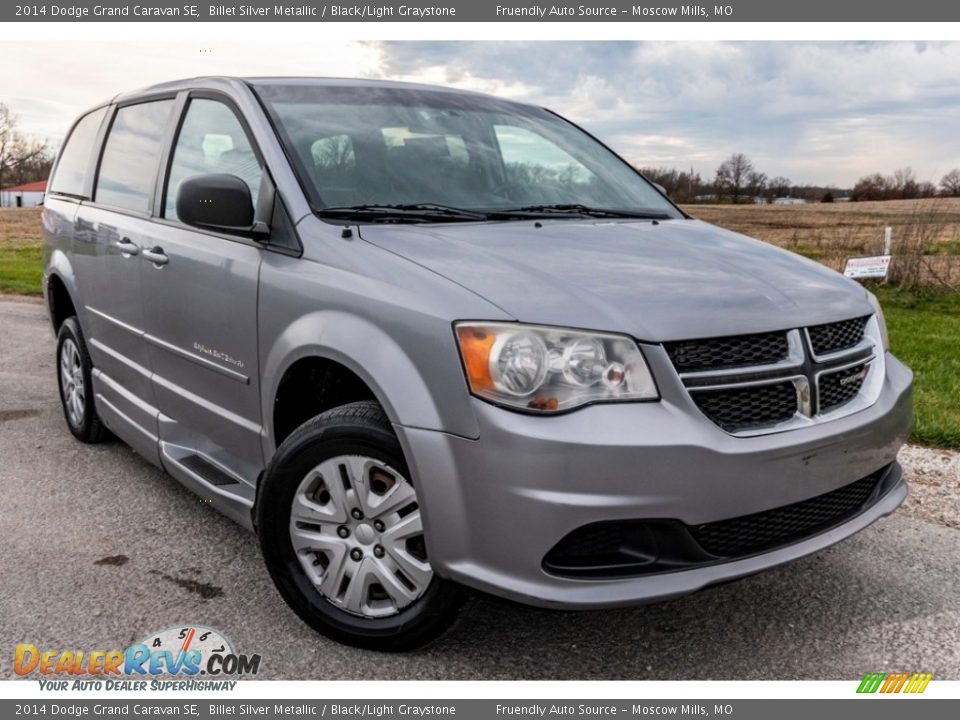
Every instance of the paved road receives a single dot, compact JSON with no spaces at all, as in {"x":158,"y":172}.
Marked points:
{"x":887,"y":599}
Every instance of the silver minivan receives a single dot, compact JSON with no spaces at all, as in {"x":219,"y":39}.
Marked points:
{"x":424,"y":340}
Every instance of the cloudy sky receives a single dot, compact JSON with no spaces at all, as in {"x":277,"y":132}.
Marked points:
{"x":822,"y":113}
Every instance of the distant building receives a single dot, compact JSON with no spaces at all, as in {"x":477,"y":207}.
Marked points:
{"x":789,"y":201}
{"x":27,"y":195}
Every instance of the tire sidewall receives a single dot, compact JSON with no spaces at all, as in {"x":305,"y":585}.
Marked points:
{"x":412,"y":626}
{"x":70,"y":330}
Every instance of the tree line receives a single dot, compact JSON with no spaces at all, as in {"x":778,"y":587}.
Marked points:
{"x":904,"y":185}
{"x":22,"y":159}
{"x":738,"y":180}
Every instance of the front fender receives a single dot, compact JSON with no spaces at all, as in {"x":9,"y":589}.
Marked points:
{"x":382,"y":363}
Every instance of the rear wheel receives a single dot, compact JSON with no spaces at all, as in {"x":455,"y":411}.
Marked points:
{"x":74,"y":370}
{"x":341,"y":530}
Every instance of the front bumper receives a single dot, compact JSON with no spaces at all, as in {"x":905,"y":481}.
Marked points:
{"x":494,"y":507}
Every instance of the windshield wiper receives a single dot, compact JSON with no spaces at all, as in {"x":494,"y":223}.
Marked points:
{"x":410,"y":212}
{"x":433,"y":212}
{"x":573,"y":210}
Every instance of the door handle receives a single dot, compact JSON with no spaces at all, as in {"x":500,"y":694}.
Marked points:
{"x":156,"y":256}
{"x":127,"y":247}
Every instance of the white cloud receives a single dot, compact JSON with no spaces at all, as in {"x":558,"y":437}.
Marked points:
{"x":816,"y":112}
{"x":49,"y":85}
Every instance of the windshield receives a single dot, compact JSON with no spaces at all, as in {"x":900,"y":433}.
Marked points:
{"x":388,"y":147}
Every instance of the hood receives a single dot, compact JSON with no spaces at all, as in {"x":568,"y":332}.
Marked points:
{"x":678,"y":279}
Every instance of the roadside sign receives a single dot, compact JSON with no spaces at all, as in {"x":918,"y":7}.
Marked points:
{"x":867,"y":267}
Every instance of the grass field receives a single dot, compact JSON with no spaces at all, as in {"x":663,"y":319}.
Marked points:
{"x":924,"y":327}
{"x":926,"y":233}
{"x":925,"y":334}
{"x":20,"y":253}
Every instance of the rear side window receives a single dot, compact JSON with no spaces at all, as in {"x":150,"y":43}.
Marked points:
{"x":75,"y":166}
{"x":131,"y":154}
{"x":211,"y":140}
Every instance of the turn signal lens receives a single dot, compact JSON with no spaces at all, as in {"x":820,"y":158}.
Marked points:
{"x":475,"y":345}
{"x":545,"y":370}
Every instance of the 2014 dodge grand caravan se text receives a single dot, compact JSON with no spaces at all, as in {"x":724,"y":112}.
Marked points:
{"x":422,"y":340}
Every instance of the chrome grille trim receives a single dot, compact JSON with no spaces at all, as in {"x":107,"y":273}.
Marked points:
{"x":728,"y":352}
{"x":794,"y":359}
{"x":804,"y":369}
{"x":865,"y":344}
{"x":800,"y":384}
{"x":869,"y":390}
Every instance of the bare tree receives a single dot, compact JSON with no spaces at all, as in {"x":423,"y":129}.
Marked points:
{"x":756,"y":183}
{"x":681,"y":186}
{"x":732,"y":176}
{"x":904,"y":183}
{"x":779,"y":186}
{"x":22,"y":159}
{"x":8,"y":138}
{"x":950,"y":183}
{"x":872,"y":187}
{"x":32,"y":160}
{"x":334,"y":152}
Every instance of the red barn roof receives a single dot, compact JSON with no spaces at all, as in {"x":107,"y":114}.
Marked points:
{"x":39,"y":186}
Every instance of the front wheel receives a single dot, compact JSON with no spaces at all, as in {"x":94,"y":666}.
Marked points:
{"x":341,"y":531}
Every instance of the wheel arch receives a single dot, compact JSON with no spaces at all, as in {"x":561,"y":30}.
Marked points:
{"x":353,"y":345}
{"x":59,"y":289}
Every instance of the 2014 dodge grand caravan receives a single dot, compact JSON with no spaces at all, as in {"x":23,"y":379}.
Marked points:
{"x":421,"y":339}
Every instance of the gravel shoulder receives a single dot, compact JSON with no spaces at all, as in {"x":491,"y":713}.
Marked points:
{"x":934,"y":478}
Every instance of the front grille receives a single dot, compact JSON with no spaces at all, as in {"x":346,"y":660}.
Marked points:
{"x":743,"y":407}
{"x":728,"y":352}
{"x":749,"y":384}
{"x":841,"y":387}
{"x":837,"y":336}
{"x":750,"y":534}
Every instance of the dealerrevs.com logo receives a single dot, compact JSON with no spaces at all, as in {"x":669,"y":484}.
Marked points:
{"x":187,"y":652}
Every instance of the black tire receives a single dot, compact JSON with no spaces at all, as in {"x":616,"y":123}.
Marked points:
{"x":359,"y":428}
{"x":86,"y":425}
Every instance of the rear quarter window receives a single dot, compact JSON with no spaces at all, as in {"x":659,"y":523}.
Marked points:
{"x":75,"y":166}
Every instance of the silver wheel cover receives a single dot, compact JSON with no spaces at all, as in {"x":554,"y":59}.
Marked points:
{"x":71,"y":382}
{"x":356,"y":529}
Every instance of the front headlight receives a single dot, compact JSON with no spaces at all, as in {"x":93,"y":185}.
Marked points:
{"x":881,"y":321}
{"x":546,"y":369}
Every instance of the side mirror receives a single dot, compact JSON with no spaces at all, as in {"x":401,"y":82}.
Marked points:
{"x":661,"y":188}
{"x":218,"y":202}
